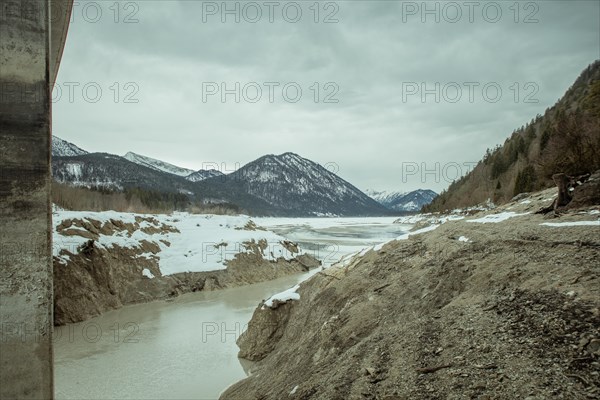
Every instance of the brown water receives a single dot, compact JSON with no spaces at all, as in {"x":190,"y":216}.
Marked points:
{"x":184,"y":349}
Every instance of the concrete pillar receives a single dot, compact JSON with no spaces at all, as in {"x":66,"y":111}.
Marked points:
{"x":25,"y":213}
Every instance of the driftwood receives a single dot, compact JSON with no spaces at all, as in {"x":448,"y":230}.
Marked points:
{"x":380,"y":288}
{"x":565,"y":184}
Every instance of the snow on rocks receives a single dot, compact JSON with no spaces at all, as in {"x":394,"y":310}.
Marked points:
{"x":346,"y":260}
{"x":413,"y":219}
{"x":283,"y":297}
{"x":146,"y":272}
{"x":365,"y":251}
{"x":181,"y":242}
{"x":430,"y":218}
{"x":464,"y":239}
{"x":573,"y":223}
{"x":495,"y":218}
{"x":419,"y":231}
{"x":207,"y":242}
{"x":63,"y":259}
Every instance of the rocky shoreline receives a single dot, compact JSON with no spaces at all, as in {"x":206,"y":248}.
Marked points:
{"x":495,"y":304}
{"x":103,"y":263}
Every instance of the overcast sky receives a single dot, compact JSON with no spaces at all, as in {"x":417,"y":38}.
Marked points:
{"x":161,"y":67}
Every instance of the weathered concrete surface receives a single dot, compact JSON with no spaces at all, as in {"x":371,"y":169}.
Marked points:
{"x":60,"y":15}
{"x":25,"y":269}
{"x":25,"y":241}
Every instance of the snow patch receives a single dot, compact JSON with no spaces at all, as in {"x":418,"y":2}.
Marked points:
{"x":464,"y":239}
{"x":380,"y":245}
{"x":286,"y":295}
{"x":146,"y":255}
{"x":365,"y":251}
{"x":146,"y":272}
{"x":573,"y":223}
{"x":431,"y":218}
{"x":203,"y":243}
{"x":75,"y":170}
{"x":345,"y":260}
{"x":63,"y":259}
{"x":418,"y":231}
{"x":495,"y":218}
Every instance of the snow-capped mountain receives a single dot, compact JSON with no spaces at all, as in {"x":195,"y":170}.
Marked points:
{"x":404,"y":202}
{"x":189,"y":174}
{"x":116,"y":173}
{"x":203,"y":174}
{"x":62,"y":148}
{"x":296,"y":186}
{"x":157,"y":164}
{"x":384,"y":197}
{"x":279,"y":185}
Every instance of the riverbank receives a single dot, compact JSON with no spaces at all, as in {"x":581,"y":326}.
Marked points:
{"x":104,"y":260}
{"x":179,"y":349}
{"x":503,"y":303}
{"x":185,"y":348}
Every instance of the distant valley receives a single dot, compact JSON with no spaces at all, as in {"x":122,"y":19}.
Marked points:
{"x":401,"y":201}
{"x":278,"y":185}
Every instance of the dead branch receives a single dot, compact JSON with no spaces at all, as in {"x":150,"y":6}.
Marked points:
{"x":429,"y":370}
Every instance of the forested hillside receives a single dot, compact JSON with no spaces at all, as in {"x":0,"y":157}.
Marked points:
{"x":133,"y":199}
{"x":565,"y":139}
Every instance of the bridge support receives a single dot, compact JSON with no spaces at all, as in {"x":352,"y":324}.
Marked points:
{"x":30,"y":48}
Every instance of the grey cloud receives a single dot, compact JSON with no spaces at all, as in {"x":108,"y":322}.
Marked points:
{"x":370,"y":53}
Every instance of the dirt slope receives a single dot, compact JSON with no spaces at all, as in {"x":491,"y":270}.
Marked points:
{"x":512,"y":313}
{"x":91,"y":279}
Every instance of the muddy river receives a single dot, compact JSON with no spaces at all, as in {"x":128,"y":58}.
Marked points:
{"x":185,"y":348}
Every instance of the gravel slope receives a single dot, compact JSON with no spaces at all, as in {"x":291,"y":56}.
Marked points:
{"x":470,"y":310}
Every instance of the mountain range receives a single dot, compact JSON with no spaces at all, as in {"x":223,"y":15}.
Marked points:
{"x":278,"y":185}
{"x":62,"y":148}
{"x":402,"y":201}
